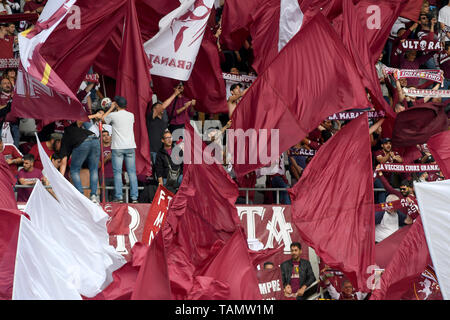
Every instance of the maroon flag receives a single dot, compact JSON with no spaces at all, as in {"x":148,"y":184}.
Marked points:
{"x":376,"y":20}
{"x":259,"y":19}
{"x":417,"y":124}
{"x":197,"y":225}
{"x":406,"y":266}
{"x":327,"y":218}
{"x":9,"y":233}
{"x":292,"y":103}
{"x":411,"y":9}
{"x":133,"y":83}
{"x":7,"y":182}
{"x":41,"y":92}
{"x":439,"y":145}
{"x":386,"y":249}
{"x":82,"y":44}
{"x":232,"y":266}
{"x":152,"y":282}
{"x":365,"y":44}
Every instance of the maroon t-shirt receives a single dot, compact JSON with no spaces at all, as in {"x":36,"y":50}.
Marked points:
{"x":108,"y":165}
{"x":24,"y":193}
{"x":295,"y":277}
{"x":381,"y":153}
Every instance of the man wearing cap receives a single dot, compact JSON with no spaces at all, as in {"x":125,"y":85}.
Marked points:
{"x":123,"y":147}
{"x":51,"y":146}
{"x":157,"y":122}
{"x":386,"y":154}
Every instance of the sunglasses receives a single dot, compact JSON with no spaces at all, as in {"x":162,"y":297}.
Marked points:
{"x":403,"y":189}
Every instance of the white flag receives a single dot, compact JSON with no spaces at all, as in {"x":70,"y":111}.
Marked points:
{"x":173,"y":50}
{"x":78,"y":225}
{"x":434,"y":204}
{"x":291,"y":20}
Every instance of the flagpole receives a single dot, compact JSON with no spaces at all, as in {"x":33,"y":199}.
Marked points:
{"x":102,"y":159}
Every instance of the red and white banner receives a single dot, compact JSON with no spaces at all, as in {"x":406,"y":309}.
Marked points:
{"x":411,"y":92}
{"x":157,"y":213}
{"x":349,"y":115}
{"x":230,"y":79}
{"x":400,"y":167}
{"x":421,"y":45}
{"x":173,"y":50}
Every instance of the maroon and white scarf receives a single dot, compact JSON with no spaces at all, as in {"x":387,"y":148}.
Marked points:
{"x":412,"y":92}
{"x":403,"y":167}
{"x":433,"y":75}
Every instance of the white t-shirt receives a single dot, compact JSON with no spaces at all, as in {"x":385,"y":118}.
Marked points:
{"x":387,"y":226}
{"x":444,"y":15}
{"x":122,"y":123}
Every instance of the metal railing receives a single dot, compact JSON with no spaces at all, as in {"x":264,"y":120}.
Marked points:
{"x":126,"y":190}
{"x":278,"y":190}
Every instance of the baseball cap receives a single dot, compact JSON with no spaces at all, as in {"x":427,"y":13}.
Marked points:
{"x":384,"y":140}
{"x":121,"y":101}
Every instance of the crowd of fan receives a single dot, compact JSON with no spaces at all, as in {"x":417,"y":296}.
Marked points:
{"x":74,"y":147}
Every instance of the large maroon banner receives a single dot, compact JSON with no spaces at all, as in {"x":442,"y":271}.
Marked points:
{"x":270,"y":225}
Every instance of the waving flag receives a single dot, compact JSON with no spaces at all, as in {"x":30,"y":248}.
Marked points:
{"x":40,"y":93}
{"x":270,"y":23}
{"x":78,"y":226}
{"x":406,"y":266}
{"x":326,"y":219}
{"x":173,"y":50}
{"x":32,"y":264}
{"x":7,"y":182}
{"x":439,"y":145}
{"x":291,"y":102}
{"x":434,"y":211}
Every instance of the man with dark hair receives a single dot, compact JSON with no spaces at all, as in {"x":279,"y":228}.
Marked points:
{"x":107,"y":156}
{"x":406,"y":194}
{"x":236,"y":95}
{"x":296,"y":273}
{"x":167,"y":172}
{"x":123,"y":147}
{"x":157,"y":122}
{"x":268,"y":265}
{"x":27,"y":176}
